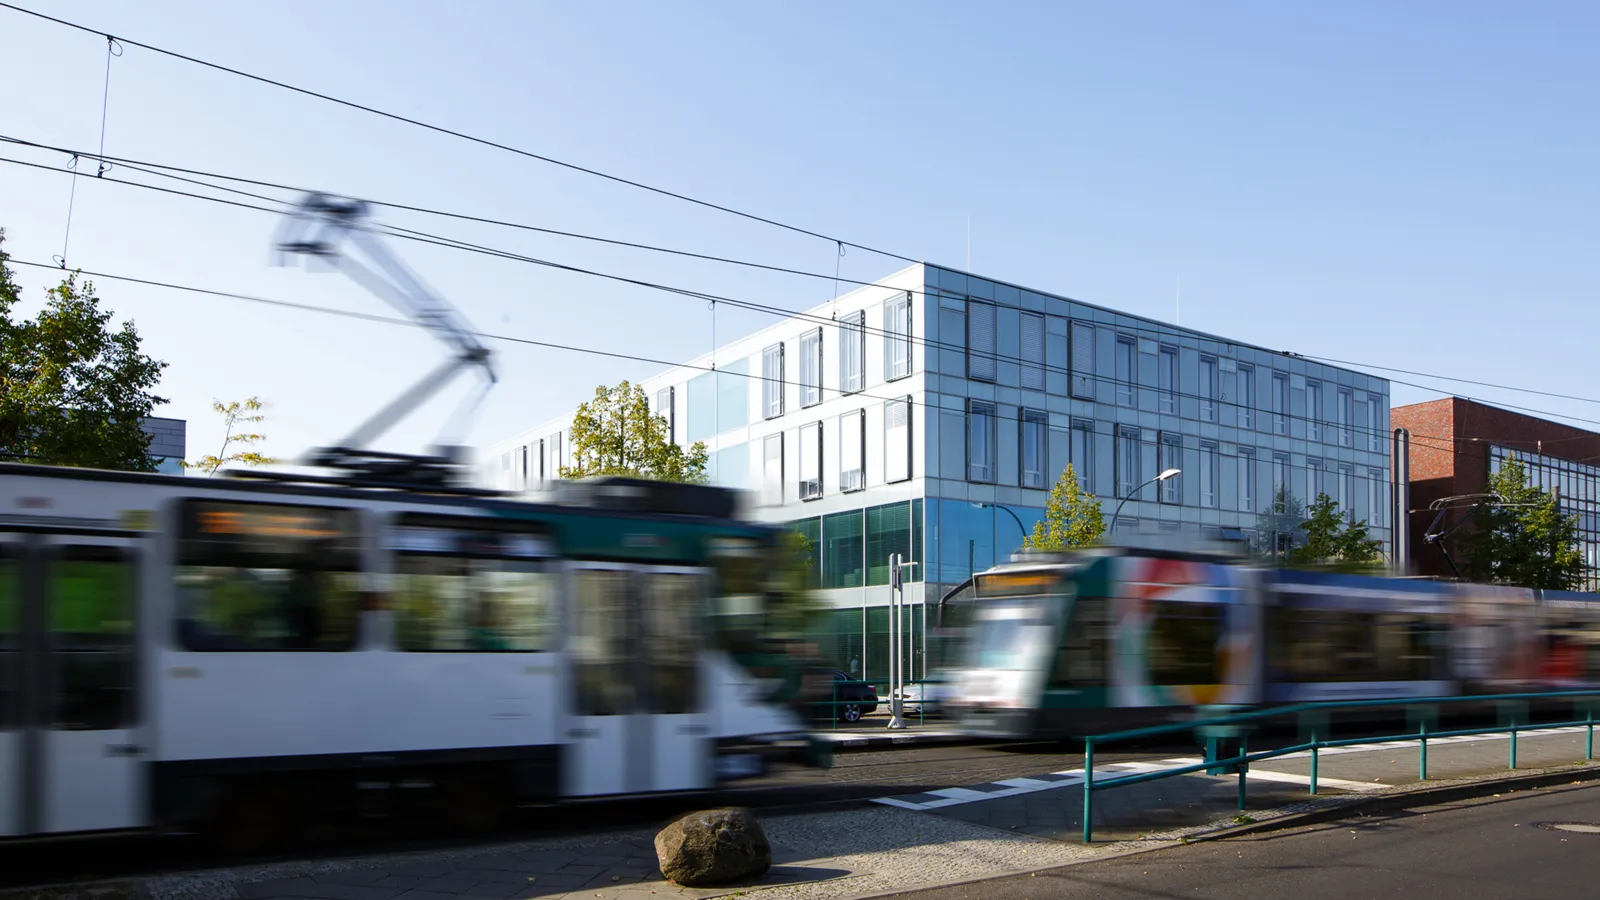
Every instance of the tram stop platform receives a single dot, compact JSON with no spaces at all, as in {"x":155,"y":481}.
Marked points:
{"x":941,"y":837}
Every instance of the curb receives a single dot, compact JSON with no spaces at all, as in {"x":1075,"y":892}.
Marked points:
{"x":890,"y":739}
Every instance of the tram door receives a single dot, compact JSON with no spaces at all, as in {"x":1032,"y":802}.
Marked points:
{"x":637,"y":719}
{"x":70,"y":748}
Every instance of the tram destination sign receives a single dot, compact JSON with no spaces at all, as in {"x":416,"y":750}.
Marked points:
{"x":1014,"y":584}
{"x":265,"y":528}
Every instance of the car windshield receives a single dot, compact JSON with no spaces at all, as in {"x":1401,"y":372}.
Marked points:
{"x":1006,"y":633}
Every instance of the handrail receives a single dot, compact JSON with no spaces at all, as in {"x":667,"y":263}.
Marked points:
{"x":1240,"y":763}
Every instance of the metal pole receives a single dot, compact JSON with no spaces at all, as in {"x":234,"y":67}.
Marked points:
{"x":1313,"y":761}
{"x":1588,"y":743}
{"x":1513,"y":744}
{"x":1422,"y":752}
{"x":1400,"y":491}
{"x":896,"y":645}
{"x":1244,"y":750}
{"x":1088,"y":791}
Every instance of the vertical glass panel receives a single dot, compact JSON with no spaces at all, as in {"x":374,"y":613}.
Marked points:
{"x":811,"y":368}
{"x":664,"y":408}
{"x":981,"y":341}
{"x":772,"y":381}
{"x":1247,"y":396}
{"x":1033,"y":351}
{"x":1167,"y":380}
{"x":853,"y":352}
{"x":1171,"y":458}
{"x":1374,"y":422}
{"x":1376,"y":498}
{"x":897,"y":337}
{"x":602,"y":617}
{"x":1280,"y":403}
{"x":1346,"y":416}
{"x":811,"y":530}
{"x":1127,"y":460}
{"x":772,"y":469}
{"x":674,"y":608}
{"x":1280,"y":477}
{"x":1247,"y":480}
{"x":702,"y":409}
{"x":888,"y":531}
{"x":1210,"y":474}
{"x":1125,"y":373}
{"x":91,"y":595}
{"x":1314,"y":414}
{"x":842,"y":563}
{"x":1082,"y":360}
{"x":733,"y":395}
{"x":10,"y":637}
{"x":1315,"y":485}
{"x":1083,"y":452}
{"x":852,"y":450}
{"x":897,"y":440}
{"x":810,"y":487}
{"x":1035,"y":454}
{"x":1208,"y":389}
{"x":981,"y":441}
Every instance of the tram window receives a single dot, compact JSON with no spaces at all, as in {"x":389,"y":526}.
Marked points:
{"x":1081,"y":660}
{"x":1182,"y":643}
{"x":1312,"y":645}
{"x":265,"y":577}
{"x":600,"y":642}
{"x":90,"y":592}
{"x":10,"y":646}
{"x":447,"y":603}
{"x":673,"y":608}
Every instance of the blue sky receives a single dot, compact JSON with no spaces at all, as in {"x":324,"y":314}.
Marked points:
{"x":1407,"y":184}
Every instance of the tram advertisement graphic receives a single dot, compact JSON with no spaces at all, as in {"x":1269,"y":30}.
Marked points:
{"x":1179,"y":635}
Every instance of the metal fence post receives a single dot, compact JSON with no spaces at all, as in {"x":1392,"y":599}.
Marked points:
{"x":1588,"y":742}
{"x":1314,"y":743}
{"x":1088,"y":791}
{"x":1422,"y":752}
{"x":1513,"y":744}
{"x":1244,"y":750}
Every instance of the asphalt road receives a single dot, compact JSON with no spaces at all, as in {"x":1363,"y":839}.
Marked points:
{"x":1484,"y":849}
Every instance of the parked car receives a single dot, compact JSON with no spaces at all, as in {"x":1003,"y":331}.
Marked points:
{"x":837,"y":696}
{"x":914,"y":696}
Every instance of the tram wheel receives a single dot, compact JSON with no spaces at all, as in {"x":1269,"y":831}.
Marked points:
{"x":475,"y":804}
{"x":851,"y":712}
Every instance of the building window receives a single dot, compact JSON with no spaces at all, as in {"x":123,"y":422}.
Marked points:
{"x":811,"y":367}
{"x":557,"y":461}
{"x":538,"y":459}
{"x":897,"y":440}
{"x":772,"y":469}
{"x":853,"y":352}
{"x":897,"y":336}
{"x":843,"y":550}
{"x":1374,"y":422}
{"x":980,"y":341}
{"x":1167,"y":380}
{"x":1376,"y":500}
{"x":1210,"y":474}
{"x":1082,"y":451}
{"x":1208,"y":388}
{"x":811,"y":461}
{"x":1280,"y":477}
{"x":1316,"y":485}
{"x":772,"y":381}
{"x":1035,"y":425}
{"x":852,"y":450}
{"x":1280,"y":403}
{"x":1127,"y":461}
{"x":1247,"y":479}
{"x":1171,"y":447}
{"x":1247,"y":396}
{"x":1033,"y":351}
{"x":1127,"y":372}
{"x":1314,"y":416}
{"x":1347,"y":415}
{"x":1347,"y":491}
{"x":981,"y":441}
{"x":1082,"y":361}
{"x":666,"y":400}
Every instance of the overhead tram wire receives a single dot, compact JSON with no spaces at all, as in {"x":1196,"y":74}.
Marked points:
{"x":461,"y":135}
{"x":452,"y":243}
{"x":392,"y":320}
{"x":165,"y":171}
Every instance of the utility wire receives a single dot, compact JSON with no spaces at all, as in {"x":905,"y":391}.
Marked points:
{"x":439,"y":129}
{"x":165,"y":171}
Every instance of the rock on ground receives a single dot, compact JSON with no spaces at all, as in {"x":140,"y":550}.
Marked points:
{"x":712,"y":847}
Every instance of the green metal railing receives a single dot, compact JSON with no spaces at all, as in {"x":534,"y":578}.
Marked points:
{"x":1423,"y":713}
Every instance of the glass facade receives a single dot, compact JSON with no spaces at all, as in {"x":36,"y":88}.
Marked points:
{"x":1577,"y":486}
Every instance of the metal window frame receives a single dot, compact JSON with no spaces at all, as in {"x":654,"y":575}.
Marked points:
{"x":816,"y":370}
{"x":807,"y":488}
{"x":772,"y":384}
{"x":976,"y":354}
{"x":1211,"y":470}
{"x":1210,"y":387}
{"x":1126,"y":485}
{"x":892,"y":338}
{"x":888,"y":446}
{"x":1127,"y":389}
{"x":991,"y":411}
{"x":861,"y":452}
{"x":1167,"y":395}
{"x":1169,"y":455}
{"x":853,"y":340}
{"x":1040,"y":418}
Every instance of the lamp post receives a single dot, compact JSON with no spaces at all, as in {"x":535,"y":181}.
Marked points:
{"x":1170,"y":473}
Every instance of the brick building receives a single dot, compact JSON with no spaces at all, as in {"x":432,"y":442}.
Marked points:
{"x":1457,"y":443}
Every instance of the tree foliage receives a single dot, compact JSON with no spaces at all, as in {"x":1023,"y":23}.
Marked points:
{"x":74,"y":391}
{"x":616,"y":434}
{"x":234,"y":415}
{"x":1335,"y":540}
{"x":1072,"y":517}
{"x":1524,"y":540}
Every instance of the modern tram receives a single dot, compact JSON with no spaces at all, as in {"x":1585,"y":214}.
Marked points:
{"x":1066,"y":645}
{"x":225,"y":653}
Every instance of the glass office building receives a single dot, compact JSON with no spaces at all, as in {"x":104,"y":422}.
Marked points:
{"x":931,"y":412}
{"x":1576,"y":486}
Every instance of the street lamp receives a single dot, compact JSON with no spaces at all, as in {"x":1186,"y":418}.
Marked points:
{"x":1021,"y":527}
{"x":1170,"y":473}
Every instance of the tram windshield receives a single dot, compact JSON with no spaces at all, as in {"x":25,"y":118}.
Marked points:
{"x":1009,"y":634}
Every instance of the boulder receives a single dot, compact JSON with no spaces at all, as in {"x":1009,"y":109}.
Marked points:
{"x":717,"y":846}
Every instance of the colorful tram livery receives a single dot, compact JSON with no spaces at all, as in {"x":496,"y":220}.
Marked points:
{"x":1072,"y":644}
{"x":180,"y":651}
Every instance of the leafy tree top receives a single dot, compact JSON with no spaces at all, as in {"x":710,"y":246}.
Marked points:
{"x":1072,"y":517}
{"x":1522,"y":539}
{"x":235,"y":414}
{"x":617,"y":434}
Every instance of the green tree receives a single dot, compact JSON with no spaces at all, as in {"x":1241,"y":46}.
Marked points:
{"x":1072,"y":517}
{"x":74,"y":391}
{"x":1279,"y":525}
{"x":234,"y":415}
{"x":1524,"y":539}
{"x":1334,"y":540}
{"x":616,"y":434}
